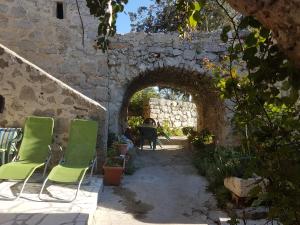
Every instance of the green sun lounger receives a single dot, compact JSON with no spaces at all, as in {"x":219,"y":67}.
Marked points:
{"x":78,"y":158}
{"x":33,"y":152}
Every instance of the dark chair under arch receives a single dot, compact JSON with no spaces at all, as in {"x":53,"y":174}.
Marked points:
{"x":150,"y":134}
{"x":150,"y":121}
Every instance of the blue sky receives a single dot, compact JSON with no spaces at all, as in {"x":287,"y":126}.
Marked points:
{"x":123,"y":21}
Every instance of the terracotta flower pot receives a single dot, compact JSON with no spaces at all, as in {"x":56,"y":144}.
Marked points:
{"x":112,"y":175}
{"x":122,"y":148}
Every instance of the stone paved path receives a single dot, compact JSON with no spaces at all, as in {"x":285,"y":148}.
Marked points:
{"x":165,"y":189}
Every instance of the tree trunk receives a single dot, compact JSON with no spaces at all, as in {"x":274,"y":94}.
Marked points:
{"x":281,"y":16}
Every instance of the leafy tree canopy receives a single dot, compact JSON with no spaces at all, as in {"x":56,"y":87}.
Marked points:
{"x":137,"y":101}
{"x":165,"y":17}
{"x":173,"y":94}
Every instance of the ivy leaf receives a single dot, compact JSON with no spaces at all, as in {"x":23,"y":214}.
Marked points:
{"x":224,"y":35}
{"x":192,"y":21}
{"x":195,"y":17}
{"x":264,"y":32}
{"x":253,"y":22}
{"x":249,"y":54}
{"x":251,"y":39}
{"x":244,"y":22}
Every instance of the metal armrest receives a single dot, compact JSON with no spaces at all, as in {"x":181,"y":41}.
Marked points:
{"x":11,"y":145}
{"x":18,"y":138}
{"x":92,"y":165}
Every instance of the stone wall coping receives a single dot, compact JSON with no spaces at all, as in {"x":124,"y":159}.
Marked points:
{"x":59,"y":83}
{"x":169,"y":34}
{"x":168,"y":100}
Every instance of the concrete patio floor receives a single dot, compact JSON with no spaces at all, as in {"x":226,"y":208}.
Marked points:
{"x":29,"y":210}
{"x":165,"y":189}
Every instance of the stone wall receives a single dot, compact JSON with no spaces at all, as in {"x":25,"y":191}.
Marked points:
{"x":132,"y":62}
{"x":28,"y":90}
{"x":31,"y":29}
{"x":177,"y":113}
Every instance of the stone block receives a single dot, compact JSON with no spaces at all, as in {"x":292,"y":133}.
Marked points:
{"x":101,"y":93}
{"x":18,"y":12}
{"x":3,"y":8}
{"x":242,"y":187}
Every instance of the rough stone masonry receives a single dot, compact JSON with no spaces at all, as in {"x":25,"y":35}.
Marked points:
{"x":133,"y":61}
{"x":177,"y":114}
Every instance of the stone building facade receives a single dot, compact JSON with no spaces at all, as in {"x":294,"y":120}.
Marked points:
{"x":178,"y":114}
{"x":133,"y":61}
{"x":28,"y":90}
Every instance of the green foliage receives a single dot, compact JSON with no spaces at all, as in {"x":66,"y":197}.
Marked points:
{"x":200,"y":139}
{"x":173,"y":94}
{"x":106,"y":11}
{"x":137,"y":101}
{"x":264,"y":87}
{"x":112,"y":137}
{"x":177,"y":132}
{"x":170,"y":15}
{"x":187,"y":130}
{"x":112,"y":152}
{"x":217,"y":163}
{"x":113,"y":158}
{"x":114,"y":162}
{"x":135,"y":121}
{"x":166,"y":128}
{"x":266,"y":112}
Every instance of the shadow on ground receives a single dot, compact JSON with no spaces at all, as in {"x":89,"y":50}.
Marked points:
{"x":43,"y":219}
{"x":165,"y":189}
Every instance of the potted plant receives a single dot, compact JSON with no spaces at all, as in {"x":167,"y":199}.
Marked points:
{"x":113,"y":168}
{"x":122,"y":146}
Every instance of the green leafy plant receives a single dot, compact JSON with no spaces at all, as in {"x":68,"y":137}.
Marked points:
{"x":200,"y":139}
{"x":168,"y":130}
{"x":216,"y":163}
{"x":112,"y":137}
{"x":135,"y":121}
{"x":264,"y":88}
{"x":139,"y":99}
{"x":187,"y":130}
{"x":112,"y":152}
{"x":114,"y":162}
{"x":106,"y":11}
{"x":113,"y":158}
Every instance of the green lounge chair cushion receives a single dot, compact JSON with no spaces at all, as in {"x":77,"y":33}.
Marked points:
{"x":64,"y":174}
{"x":79,"y":153}
{"x":33,"y":150}
{"x":18,"y":170}
{"x":37,"y":136}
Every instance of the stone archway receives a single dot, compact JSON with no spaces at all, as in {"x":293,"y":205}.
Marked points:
{"x":139,"y":60}
{"x":209,"y":106}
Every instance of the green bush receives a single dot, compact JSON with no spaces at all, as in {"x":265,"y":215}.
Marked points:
{"x":217,"y":163}
{"x":177,"y":132}
{"x":137,"y":101}
{"x":166,"y":128}
{"x":135,"y":121}
{"x":187,"y":130}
